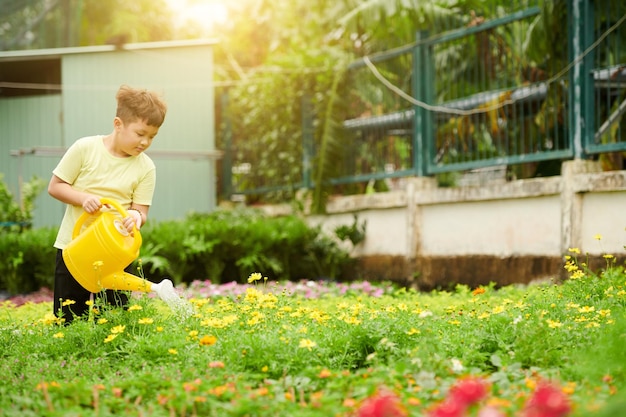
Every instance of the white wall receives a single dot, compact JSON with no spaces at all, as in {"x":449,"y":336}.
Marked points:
{"x":535,"y":217}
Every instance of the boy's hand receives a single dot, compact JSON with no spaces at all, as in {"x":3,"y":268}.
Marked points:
{"x":134,"y":218}
{"x":92,"y":204}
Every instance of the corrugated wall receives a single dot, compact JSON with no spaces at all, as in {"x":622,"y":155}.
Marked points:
{"x":182,"y":74}
{"x":26,"y":122}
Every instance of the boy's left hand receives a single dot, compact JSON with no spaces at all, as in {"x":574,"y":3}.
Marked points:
{"x":133,"y":219}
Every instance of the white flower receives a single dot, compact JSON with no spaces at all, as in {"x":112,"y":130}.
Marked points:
{"x":457,"y":366}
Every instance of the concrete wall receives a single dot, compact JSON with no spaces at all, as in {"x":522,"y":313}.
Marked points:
{"x":512,"y":232}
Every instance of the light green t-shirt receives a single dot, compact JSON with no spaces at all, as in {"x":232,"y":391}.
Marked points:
{"x":88,"y":166}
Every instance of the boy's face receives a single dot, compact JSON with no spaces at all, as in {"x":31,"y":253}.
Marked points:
{"x":135,"y":137}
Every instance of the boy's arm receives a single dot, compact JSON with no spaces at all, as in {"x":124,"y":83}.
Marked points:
{"x":65,"y":193}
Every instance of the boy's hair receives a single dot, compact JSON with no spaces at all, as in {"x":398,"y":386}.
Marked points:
{"x":136,"y":104}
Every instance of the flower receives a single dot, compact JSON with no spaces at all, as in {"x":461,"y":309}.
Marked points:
{"x":68,"y":303}
{"x":109,"y":338}
{"x":58,"y":335}
{"x":135,"y":307}
{"x":216,"y":364}
{"x":547,"y":401}
{"x":255,"y":276}
{"x":448,"y":408}
{"x":383,"y":404}
{"x":468,"y":391}
{"x":118,"y":329}
{"x":478,"y":291}
{"x":146,"y":320}
{"x":208,"y":340}
{"x":307,"y":343}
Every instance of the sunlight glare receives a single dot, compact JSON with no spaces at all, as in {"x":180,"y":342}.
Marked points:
{"x":205,"y":13}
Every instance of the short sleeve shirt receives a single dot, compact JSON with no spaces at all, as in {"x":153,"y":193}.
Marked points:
{"x":88,"y":166}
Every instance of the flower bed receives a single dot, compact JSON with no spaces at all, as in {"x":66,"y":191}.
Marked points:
{"x":322,"y":348}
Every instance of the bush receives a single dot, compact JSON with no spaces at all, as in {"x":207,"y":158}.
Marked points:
{"x":229,"y":245}
{"x":28,"y":260}
{"x":15,"y":216}
{"x":221,"y":246}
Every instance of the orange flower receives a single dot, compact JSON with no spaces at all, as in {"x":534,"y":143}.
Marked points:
{"x":479,"y":290}
{"x":216,"y":364}
{"x":208,"y":340}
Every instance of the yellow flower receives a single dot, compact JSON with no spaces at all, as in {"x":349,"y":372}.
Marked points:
{"x":135,"y":307}
{"x":110,"y":338}
{"x":598,"y":237}
{"x":173,"y":351}
{"x":146,"y":320}
{"x":159,"y":328}
{"x":574,"y":250}
{"x":68,"y":303}
{"x":608,"y":256}
{"x":118,"y":329}
{"x":413,"y":331}
{"x":58,"y":335}
{"x":554,"y":324}
{"x":102,"y":321}
{"x":255,"y":276}
{"x":307,"y":344}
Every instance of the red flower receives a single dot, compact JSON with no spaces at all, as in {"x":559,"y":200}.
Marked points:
{"x":547,"y":401}
{"x":449,"y":408}
{"x":468,"y":391}
{"x":382,"y":405}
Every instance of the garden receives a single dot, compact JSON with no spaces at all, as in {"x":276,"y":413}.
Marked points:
{"x":266,"y":347}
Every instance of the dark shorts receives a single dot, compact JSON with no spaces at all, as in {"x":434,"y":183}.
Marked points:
{"x":67,"y":288}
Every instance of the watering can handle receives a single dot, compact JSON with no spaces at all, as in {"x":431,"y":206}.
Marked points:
{"x":116,"y":206}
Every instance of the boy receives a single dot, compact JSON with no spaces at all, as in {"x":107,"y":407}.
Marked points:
{"x":112,"y":166}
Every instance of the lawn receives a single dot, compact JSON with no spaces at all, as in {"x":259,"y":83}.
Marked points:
{"x":328,"y":349}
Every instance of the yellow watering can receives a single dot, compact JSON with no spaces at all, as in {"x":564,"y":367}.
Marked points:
{"x":97,"y":256}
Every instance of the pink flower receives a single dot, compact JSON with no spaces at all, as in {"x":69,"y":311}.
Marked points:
{"x":547,"y":401}
{"x":468,"y":391}
{"x":382,"y":405}
{"x":489,"y":411}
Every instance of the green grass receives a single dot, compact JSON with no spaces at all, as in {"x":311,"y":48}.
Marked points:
{"x":267,"y":352}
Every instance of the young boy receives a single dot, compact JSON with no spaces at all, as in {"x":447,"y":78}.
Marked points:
{"x":112,"y":166}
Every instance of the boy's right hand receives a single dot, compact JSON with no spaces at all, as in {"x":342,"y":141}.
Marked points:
{"x":92,"y":204}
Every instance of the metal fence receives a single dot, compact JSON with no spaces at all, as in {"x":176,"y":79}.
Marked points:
{"x":486,"y":95}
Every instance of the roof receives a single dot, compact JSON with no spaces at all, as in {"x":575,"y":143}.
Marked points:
{"x":52,"y":53}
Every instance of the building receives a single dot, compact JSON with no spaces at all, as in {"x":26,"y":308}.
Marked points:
{"x":51,"y":97}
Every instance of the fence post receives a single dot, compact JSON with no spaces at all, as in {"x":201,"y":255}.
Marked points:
{"x":422,"y":91}
{"x":227,"y":159}
{"x":307,"y":141}
{"x":581,"y":84}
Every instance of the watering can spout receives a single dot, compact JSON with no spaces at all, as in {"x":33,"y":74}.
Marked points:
{"x":125,"y":282}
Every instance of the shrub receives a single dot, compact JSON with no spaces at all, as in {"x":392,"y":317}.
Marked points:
{"x":225,"y":246}
{"x":221,"y":246}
